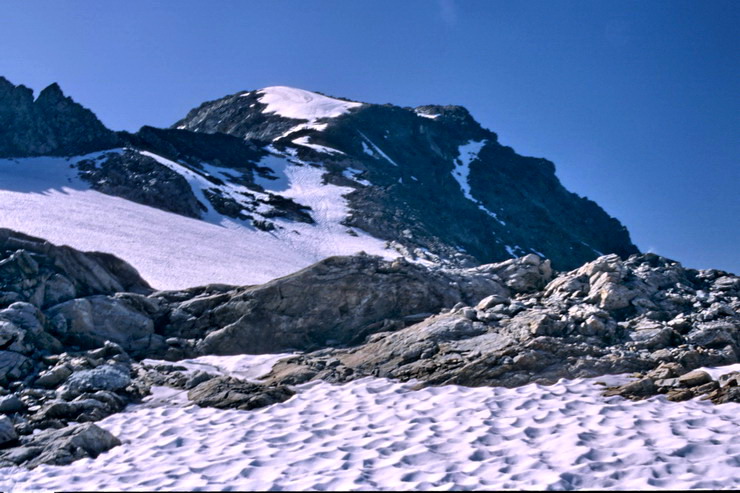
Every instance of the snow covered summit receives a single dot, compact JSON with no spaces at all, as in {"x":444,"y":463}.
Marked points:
{"x":291,"y":102}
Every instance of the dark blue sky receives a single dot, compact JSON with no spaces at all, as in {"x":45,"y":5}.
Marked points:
{"x":637,"y":103}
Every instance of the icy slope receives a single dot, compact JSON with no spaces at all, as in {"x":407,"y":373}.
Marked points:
{"x":376,"y":434}
{"x":43,"y":197}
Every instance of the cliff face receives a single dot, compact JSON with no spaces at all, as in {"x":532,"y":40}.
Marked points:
{"x":50,"y":125}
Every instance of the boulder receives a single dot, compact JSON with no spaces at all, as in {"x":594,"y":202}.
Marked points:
{"x":90,"y":322}
{"x":694,"y":378}
{"x":351,"y":298}
{"x":60,"y":447}
{"x":14,"y":366}
{"x":638,"y":389}
{"x":231,"y":393}
{"x":7,"y":431}
{"x":106,"y":377}
{"x":52,"y":377}
{"x":521,"y":275}
{"x":10,"y":404}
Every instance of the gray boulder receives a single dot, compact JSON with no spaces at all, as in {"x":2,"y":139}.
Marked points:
{"x":52,"y":377}
{"x":14,"y":366}
{"x":231,"y":393}
{"x":106,"y":377}
{"x":521,"y":275}
{"x":7,"y":431}
{"x":90,"y":322}
{"x":10,"y":404}
{"x":350,"y":298}
{"x":60,"y":447}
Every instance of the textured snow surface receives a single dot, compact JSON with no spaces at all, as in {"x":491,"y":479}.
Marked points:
{"x":290,"y":102}
{"x":377,"y":434}
{"x":43,"y":197}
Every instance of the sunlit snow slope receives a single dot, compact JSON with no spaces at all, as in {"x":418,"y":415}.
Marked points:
{"x":43,"y":197}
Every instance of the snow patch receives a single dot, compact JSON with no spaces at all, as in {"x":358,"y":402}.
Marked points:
{"x":513,"y":250}
{"x":542,"y":255}
{"x":304,"y":141}
{"x":353,"y":174}
{"x":600,"y":254}
{"x":248,"y":367}
{"x":461,"y":173}
{"x":305,"y":185}
{"x":290,"y":102}
{"x":426,"y":115}
{"x":374,"y":150}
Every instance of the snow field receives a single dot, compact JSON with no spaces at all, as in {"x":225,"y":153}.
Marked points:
{"x":44,"y":197}
{"x":377,"y":434}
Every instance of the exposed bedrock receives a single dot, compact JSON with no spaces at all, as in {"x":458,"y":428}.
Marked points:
{"x":609,"y":316}
{"x":338,"y":301}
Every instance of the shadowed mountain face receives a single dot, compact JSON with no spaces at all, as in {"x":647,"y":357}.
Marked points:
{"x":50,"y":125}
{"x":430,"y":181}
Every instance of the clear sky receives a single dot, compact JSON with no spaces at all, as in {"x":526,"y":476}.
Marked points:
{"x":637,"y":103}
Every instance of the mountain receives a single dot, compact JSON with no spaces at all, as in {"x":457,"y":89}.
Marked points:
{"x":52,"y":124}
{"x":429,"y":178}
{"x":314,"y":174}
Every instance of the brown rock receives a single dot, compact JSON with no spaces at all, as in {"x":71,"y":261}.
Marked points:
{"x":694,"y":378}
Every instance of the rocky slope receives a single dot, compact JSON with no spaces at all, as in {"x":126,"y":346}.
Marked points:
{"x":429,"y":181}
{"x":75,"y":328}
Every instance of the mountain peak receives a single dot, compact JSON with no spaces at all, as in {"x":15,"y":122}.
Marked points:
{"x":52,"y":124}
{"x":52,"y":94}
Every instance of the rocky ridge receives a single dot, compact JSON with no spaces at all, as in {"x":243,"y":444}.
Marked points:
{"x":49,"y":125}
{"x":76,"y":327}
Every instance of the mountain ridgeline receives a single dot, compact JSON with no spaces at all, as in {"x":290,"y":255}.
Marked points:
{"x":429,"y":181}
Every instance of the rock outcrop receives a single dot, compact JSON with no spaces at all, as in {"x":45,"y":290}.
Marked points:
{"x":678,"y":384}
{"x":60,"y":447}
{"x":140,"y":178}
{"x":33,"y":270}
{"x":231,"y":393}
{"x":350,"y":298}
{"x":609,"y":316}
{"x":50,"y":125}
